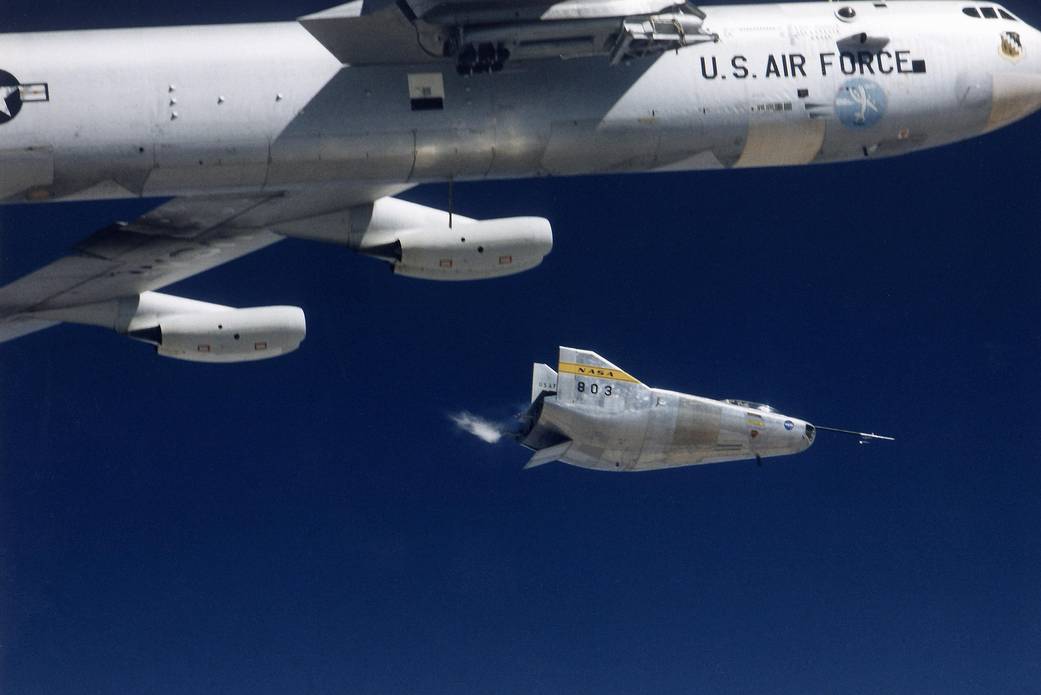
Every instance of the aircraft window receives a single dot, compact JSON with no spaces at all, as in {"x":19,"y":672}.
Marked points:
{"x":1006,"y":15}
{"x":971,"y":11}
{"x":989,"y":12}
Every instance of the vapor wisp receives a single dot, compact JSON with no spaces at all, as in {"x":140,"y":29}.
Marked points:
{"x":482,"y":428}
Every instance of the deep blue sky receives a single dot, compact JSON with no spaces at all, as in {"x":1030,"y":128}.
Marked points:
{"x":314,"y":524}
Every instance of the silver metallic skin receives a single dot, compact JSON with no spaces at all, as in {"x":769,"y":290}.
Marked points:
{"x":593,"y":415}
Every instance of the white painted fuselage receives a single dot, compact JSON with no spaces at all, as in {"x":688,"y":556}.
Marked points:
{"x":185,"y":111}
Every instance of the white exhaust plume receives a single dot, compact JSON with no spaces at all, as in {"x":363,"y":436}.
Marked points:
{"x":485,"y":430}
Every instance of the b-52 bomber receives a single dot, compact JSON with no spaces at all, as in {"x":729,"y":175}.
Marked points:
{"x":309,"y":128}
{"x":592,"y":414}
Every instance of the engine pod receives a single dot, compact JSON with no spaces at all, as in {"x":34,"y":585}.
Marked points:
{"x":232,"y":335}
{"x":472,"y":251}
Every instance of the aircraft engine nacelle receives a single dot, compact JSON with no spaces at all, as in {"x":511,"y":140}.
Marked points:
{"x":470,"y":251}
{"x":228,"y":335}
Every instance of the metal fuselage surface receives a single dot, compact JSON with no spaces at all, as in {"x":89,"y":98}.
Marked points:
{"x":590,"y":413}
{"x":185,"y":111}
{"x":663,"y":429}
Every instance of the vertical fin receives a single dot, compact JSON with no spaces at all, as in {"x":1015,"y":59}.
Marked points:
{"x":543,"y":378}
{"x":585,"y":375}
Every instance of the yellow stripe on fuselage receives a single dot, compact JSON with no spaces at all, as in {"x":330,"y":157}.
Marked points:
{"x":594,"y":372}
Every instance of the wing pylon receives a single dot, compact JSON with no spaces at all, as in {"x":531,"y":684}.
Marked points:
{"x":481,"y":37}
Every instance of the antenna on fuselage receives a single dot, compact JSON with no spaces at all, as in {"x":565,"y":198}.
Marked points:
{"x":451,"y":200}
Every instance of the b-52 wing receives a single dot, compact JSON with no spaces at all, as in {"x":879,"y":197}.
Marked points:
{"x":110,"y":279}
{"x":481,"y":36}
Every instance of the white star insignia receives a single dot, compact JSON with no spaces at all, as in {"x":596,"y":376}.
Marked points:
{"x":4,"y":93}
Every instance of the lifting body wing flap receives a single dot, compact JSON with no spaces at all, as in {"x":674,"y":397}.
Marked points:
{"x":544,"y":456}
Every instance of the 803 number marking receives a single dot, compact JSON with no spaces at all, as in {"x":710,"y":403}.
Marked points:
{"x":594,"y":388}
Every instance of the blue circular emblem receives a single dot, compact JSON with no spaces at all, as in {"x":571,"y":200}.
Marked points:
{"x":860,"y":103}
{"x":10,"y":96}
{"x":789,"y":425}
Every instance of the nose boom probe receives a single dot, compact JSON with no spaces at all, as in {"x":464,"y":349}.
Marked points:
{"x":863,"y":437}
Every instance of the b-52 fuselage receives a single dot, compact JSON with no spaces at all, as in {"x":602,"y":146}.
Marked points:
{"x":262,"y":107}
{"x":307,"y":128}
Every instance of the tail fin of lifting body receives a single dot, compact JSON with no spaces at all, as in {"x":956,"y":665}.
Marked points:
{"x":582,"y":377}
{"x":584,"y":374}
{"x":543,"y":379}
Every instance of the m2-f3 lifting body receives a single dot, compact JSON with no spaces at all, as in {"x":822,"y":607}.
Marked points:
{"x":592,"y":414}
{"x":307,"y":128}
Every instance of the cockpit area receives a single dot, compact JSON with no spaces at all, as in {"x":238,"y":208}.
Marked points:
{"x":988,"y":12}
{"x":751,"y":405}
